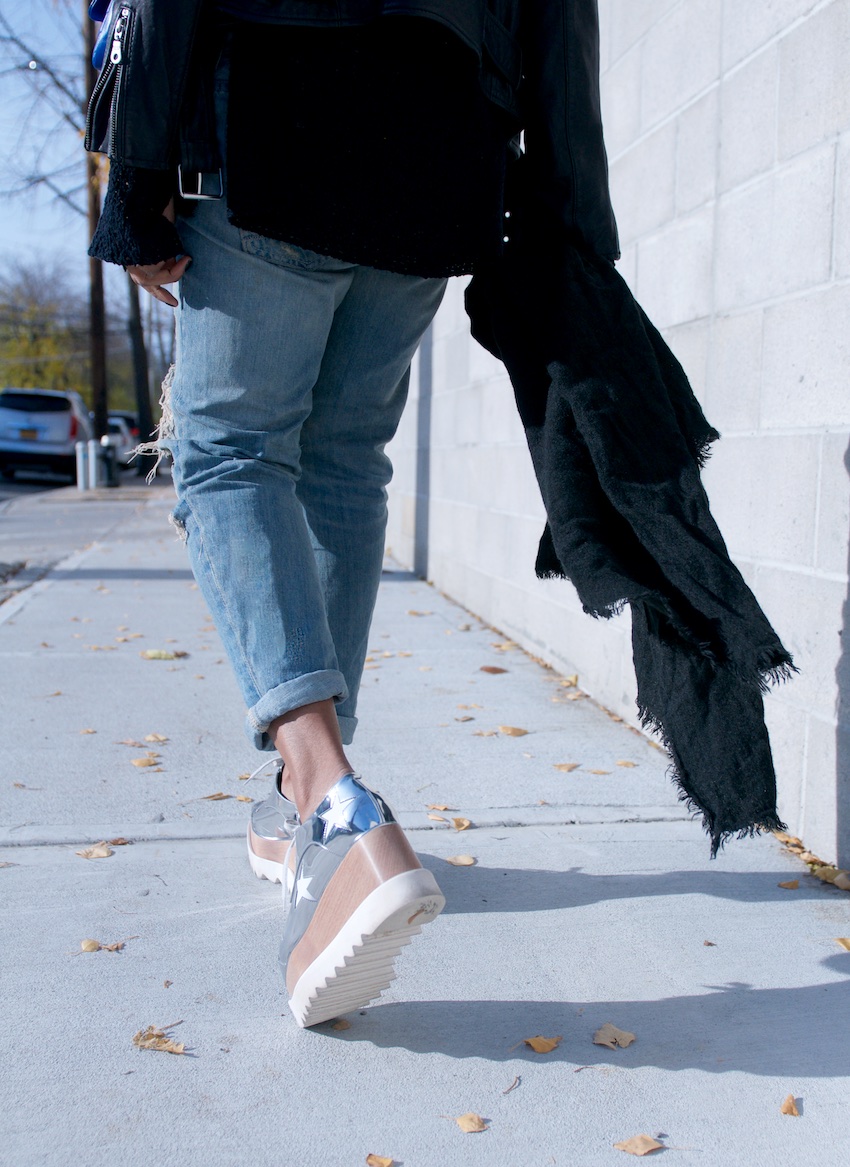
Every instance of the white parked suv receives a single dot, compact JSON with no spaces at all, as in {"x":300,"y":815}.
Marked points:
{"x":39,"y":429}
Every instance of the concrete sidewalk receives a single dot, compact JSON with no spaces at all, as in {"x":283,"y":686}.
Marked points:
{"x":592,"y":900}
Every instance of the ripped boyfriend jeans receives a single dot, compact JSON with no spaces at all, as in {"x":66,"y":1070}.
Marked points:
{"x":291,"y":375}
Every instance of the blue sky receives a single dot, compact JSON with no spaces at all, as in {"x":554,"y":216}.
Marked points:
{"x":35,"y":223}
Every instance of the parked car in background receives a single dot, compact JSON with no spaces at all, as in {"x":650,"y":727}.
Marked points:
{"x":132,"y":420}
{"x":39,"y":429}
{"x":121,"y":439}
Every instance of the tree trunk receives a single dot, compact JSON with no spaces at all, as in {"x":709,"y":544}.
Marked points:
{"x":97,"y":310}
{"x":144,"y":463}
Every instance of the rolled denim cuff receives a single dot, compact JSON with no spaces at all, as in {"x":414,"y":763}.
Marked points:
{"x":318,"y":686}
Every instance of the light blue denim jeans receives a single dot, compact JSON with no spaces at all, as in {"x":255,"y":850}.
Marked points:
{"x":292,"y":372}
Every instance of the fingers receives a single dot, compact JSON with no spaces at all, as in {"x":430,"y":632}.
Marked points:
{"x":152,"y":277}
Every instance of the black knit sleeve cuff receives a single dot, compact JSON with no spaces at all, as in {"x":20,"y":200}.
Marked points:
{"x":132,"y":227}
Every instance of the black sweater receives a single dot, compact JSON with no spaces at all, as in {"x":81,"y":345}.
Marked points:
{"x":374,"y":144}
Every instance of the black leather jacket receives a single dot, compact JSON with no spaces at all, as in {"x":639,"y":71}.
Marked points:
{"x":539,"y":61}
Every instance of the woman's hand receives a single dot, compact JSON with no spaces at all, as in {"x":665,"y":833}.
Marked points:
{"x":153,"y":276}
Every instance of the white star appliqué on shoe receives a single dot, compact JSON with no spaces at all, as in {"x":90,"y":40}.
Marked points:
{"x":302,"y":888}
{"x":336,"y":818}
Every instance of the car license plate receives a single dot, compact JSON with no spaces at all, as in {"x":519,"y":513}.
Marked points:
{"x":29,"y":435}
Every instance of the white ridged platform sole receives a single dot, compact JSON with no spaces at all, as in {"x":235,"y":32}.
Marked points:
{"x":357,"y":965}
{"x":268,"y":869}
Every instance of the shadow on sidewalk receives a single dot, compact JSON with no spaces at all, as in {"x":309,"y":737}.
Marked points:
{"x":505,"y":889}
{"x":145,"y":573}
{"x":800,"y":1032}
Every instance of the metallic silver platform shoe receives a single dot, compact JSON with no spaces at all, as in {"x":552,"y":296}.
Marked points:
{"x":360,"y":895}
{"x":270,"y":832}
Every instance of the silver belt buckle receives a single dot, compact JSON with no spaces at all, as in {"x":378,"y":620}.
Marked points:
{"x":198,"y":194}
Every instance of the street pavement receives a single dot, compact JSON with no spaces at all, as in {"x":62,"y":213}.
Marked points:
{"x":592,"y":900}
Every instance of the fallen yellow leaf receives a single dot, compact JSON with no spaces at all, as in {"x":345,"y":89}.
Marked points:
{"x":599,"y":771}
{"x":844,"y":941}
{"x":461,"y":861}
{"x":219,"y":796}
{"x":153,"y":1038}
{"x":243,"y":798}
{"x":156,"y":737}
{"x":826,"y":873}
{"x":512,"y":731}
{"x":471,"y":1123}
{"x":439,"y":806}
{"x":114,"y":947}
{"x":789,"y":1106}
{"x":789,"y":884}
{"x":129,"y":741}
{"x":491,"y":669}
{"x":543,"y":1045}
{"x":627,"y":765}
{"x":82,"y":731}
{"x":569,"y":682}
{"x":612,"y":1037}
{"x":486,"y":733}
{"x":842,"y":881}
{"x":461,"y":824}
{"x":378,"y":1160}
{"x":157,"y":654}
{"x":567,"y":767}
{"x":438,"y":818}
{"x":90,"y":945}
{"x":97,"y":851}
{"x":808,"y":857}
{"x":639,"y":1145}
{"x":119,"y":841}
{"x":783,"y":838}
{"x":412,"y":612}
{"x":142,"y":763}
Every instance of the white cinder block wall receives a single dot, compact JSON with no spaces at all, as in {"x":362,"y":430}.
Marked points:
{"x":728,"y":131}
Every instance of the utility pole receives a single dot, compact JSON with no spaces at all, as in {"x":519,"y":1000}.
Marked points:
{"x":97,"y":308}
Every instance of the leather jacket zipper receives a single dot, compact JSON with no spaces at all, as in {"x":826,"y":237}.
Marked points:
{"x":109,"y":82}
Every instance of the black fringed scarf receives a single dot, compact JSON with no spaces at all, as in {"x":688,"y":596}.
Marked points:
{"x":617,"y":440}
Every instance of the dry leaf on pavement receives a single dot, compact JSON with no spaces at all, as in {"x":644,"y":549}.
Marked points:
{"x":789,"y":884}
{"x":82,"y":731}
{"x":612,"y":1037}
{"x":785,"y":838}
{"x":147,"y":760}
{"x":471,"y":1123}
{"x":465,"y":717}
{"x":512,"y":731}
{"x":90,"y":945}
{"x":842,"y":881}
{"x":844,"y":941}
{"x":439,"y":806}
{"x":809,"y":857}
{"x":438,"y":818}
{"x":153,"y":1038}
{"x":569,"y":682}
{"x":156,"y":737}
{"x":244,"y":798}
{"x":543,"y":1045}
{"x":120,"y":841}
{"x":378,"y":1160}
{"x":129,"y":741}
{"x":827,"y":874}
{"x":513,"y":1085}
{"x":157,"y":654}
{"x":100,"y":850}
{"x":413,"y":612}
{"x":640,"y":1145}
{"x":461,"y":824}
{"x":491,"y":669}
{"x":219,"y":796}
{"x":461,"y":861}
{"x":486,"y":733}
{"x":627,"y":765}
{"x":567,"y":767}
{"x":789,"y":1106}
{"x":599,"y":771}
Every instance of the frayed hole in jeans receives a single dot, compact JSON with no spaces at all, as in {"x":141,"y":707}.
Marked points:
{"x":179,"y":526}
{"x":164,"y":430}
